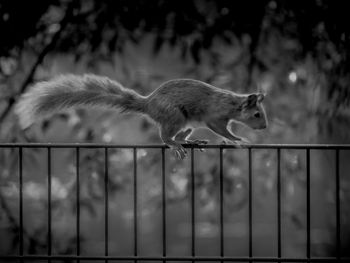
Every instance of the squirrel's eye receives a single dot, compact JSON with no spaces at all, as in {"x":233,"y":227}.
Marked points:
{"x":257,"y":114}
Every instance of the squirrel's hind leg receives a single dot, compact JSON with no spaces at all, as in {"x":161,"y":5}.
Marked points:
{"x":182,"y":137}
{"x":166,"y":134}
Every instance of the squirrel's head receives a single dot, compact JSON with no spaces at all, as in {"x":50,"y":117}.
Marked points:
{"x":252,"y":112}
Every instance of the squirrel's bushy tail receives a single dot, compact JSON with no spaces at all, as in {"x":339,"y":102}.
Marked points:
{"x":68,"y":91}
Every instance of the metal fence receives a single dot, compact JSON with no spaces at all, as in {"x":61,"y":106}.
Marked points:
{"x":193,"y":257}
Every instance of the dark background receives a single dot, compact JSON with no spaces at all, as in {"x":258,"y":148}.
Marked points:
{"x":295,"y":51}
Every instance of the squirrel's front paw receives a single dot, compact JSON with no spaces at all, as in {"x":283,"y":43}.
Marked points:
{"x":239,"y":142}
{"x":179,"y":151}
{"x":199,"y":142}
{"x":244,"y":140}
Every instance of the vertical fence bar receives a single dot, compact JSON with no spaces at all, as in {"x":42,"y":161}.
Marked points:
{"x":163,"y":204}
{"x":106,"y":200}
{"x":221,"y":200}
{"x":20,"y":163}
{"x":135,"y":203}
{"x":308,"y":240}
{"x":77,"y":160}
{"x":250,"y":221}
{"x":193,"y":219}
{"x":49,"y":207}
{"x":279,"y":250}
{"x":337,"y":200}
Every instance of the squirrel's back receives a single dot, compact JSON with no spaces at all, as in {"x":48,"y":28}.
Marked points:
{"x":192,"y":99}
{"x":178,"y":99}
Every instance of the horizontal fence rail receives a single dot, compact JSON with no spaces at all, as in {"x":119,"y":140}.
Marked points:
{"x":171,"y":258}
{"x":159,"y":146}
{"x":22,"y":257}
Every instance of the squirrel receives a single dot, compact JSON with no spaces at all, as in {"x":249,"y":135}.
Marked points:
{"x":173,"y":105}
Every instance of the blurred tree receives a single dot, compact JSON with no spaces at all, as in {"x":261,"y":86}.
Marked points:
{"x":314,"y":28}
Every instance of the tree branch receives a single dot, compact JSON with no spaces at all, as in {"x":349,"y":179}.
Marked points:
{"x":39,"y":60}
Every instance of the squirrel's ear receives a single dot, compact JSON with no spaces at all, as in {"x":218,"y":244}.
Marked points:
{"x":249,"y":101}
{"x":252,"y":99}
{"x":260,"y":97}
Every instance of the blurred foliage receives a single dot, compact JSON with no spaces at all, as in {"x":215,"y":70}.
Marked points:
{"x":295,"y":51}
{"x":317,"y":28}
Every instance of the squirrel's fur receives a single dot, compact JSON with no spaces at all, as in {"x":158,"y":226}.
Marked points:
{"x":69,"y":91}
{"x":173,"y":105}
